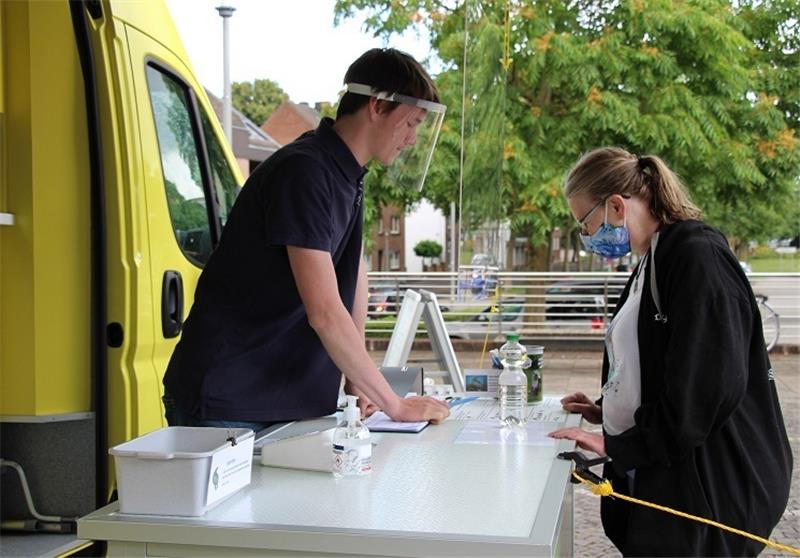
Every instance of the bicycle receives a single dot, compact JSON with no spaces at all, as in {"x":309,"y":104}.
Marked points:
{"x":770,"y":322}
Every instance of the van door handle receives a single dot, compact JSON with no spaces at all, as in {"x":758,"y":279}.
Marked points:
{"x":171,"y":304}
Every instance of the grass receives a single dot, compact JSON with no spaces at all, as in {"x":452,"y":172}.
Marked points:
{"x":381,"y":326}
{"x":776,"y":264}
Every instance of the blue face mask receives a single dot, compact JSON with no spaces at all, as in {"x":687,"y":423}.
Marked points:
{"x":608,"y":241}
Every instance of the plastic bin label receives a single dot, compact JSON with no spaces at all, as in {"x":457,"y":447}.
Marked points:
{"x":230,"y":471}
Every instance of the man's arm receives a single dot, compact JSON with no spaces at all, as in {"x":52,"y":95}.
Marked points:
{"x":361,"y":300}
{"x":316,"y":282}
{"x":359,"y":315}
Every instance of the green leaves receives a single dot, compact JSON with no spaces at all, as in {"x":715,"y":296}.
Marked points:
{"x":428,"y":249}
{"x":257,"y":100}
{"x":712,"y":87}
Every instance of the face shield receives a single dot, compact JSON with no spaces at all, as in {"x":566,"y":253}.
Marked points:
{"x":414,"y":128}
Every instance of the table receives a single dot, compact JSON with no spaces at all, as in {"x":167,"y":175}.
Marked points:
{"x":427,"y":496}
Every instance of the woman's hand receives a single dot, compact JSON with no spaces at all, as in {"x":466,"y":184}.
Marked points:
{"x":585,"y":440}
{"x":579,"y":403}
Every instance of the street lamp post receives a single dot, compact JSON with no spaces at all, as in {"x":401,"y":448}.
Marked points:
{"x":226,"y":12}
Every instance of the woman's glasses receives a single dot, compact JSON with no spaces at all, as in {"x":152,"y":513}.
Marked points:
{"x":582,"y":221}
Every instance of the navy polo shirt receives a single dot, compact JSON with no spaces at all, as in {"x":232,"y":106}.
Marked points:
{"x":247,"y":351}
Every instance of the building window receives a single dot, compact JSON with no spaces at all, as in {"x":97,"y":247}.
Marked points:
{"x":395,"y":225}
{"x":368,"y":261}
{"x":394,"y":260}
{"x":380,"y":225}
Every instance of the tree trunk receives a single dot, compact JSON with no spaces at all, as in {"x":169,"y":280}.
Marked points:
{"x":534,"y":294}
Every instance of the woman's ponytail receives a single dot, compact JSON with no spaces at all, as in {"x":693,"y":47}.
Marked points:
{"x":611,"y":170}
{"x":669,"y":201}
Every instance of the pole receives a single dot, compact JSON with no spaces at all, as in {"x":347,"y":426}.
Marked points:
{"x":226,"y":12}
{"x":453,"y":239}
{"x":386,"y":248}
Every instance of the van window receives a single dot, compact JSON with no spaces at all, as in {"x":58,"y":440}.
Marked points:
{"x":225,"y":185}
{"x":180,"y":164}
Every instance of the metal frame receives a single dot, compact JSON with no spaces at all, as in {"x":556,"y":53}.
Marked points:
{"x":416,"y":305}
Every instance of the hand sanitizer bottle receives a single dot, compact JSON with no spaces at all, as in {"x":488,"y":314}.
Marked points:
{"x":352,"y":448}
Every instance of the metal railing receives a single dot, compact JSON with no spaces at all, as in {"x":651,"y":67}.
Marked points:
{"x":552,"y":305}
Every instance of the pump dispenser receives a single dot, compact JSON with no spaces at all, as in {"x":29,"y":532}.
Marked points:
{"x":352,"y":448}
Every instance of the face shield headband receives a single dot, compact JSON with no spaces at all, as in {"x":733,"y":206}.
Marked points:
{"x":415,"y":134}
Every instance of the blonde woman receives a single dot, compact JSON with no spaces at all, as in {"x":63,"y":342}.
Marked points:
{"x":689,"y":409}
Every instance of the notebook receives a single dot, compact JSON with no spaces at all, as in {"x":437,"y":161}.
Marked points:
{"x":380,"y":422}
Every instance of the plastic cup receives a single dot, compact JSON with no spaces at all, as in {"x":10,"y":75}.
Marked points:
{"x":534,"y":373}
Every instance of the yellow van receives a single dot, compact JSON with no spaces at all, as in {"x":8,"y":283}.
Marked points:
{"x":115,"y":183}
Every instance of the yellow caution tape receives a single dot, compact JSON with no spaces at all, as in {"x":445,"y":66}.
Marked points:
{"x":605,"y":489}
{"x":493,"y":308}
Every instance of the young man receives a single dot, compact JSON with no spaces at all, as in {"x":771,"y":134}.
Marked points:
{"x":280,"y":308}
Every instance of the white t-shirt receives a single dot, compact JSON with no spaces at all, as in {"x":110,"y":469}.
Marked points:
{"x":622,"y":393}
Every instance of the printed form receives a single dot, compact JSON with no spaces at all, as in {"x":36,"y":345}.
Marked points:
{"x":483,"y":425}
{"x":547,"y":410}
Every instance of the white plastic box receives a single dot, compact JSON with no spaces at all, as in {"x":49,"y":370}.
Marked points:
{"x":182,"y":470}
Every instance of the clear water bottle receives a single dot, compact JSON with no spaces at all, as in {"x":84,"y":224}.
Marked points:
{"x":352,"y":447}
{"x":512,"y":383}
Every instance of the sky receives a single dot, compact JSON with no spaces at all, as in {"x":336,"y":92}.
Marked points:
{"x":291,"y":42}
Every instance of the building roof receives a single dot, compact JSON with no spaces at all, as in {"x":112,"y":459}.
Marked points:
{"x":290,"y":120}
{"x":249,"y":141}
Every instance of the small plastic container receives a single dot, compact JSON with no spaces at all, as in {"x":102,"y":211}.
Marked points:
{"x":182,"y":470}
{"x":535,"y":373}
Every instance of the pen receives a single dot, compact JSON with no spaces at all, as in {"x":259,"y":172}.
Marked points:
{"x":461,"y":400}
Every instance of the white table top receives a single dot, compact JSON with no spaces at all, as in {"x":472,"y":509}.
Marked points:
{"x":424,"y":487}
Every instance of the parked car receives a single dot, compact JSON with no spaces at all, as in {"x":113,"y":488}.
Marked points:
{"x":383,"y":301}
{"x":507,"y":319}
{"x":484,"y":260}
{"x":582,"y":302}
{"x":746,"y":267}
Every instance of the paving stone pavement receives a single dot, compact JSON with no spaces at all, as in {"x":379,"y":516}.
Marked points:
{"x":569,"y":371}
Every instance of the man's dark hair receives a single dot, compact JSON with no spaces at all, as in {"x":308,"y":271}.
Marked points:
{"x":389,"y":70}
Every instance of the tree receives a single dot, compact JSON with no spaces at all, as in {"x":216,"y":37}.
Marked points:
{"x":774,"y":28}
{"x":257,"y":100}
{"x":705,"y":85}
{"x":428,"y":249}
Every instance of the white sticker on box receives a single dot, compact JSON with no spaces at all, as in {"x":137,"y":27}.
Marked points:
{"x":230,"y":470}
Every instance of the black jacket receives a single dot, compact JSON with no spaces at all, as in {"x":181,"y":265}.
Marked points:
{"x":709,"y":437}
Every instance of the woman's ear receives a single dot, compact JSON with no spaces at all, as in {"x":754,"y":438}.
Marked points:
{"x":617,"y":206}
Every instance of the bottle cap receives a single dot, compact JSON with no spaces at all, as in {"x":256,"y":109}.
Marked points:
{"x":352,"y":413}
{"x":512,"y":337}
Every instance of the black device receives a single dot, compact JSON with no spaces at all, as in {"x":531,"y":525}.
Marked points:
{"x":403,"y":379}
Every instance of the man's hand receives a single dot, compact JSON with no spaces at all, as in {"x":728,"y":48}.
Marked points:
{"x":585,"y":440}
{"x":367,"y":407}
{"x":579,"y":403}
{"x":413,"y":409}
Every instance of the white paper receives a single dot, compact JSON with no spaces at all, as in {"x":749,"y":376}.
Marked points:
{"x":230,"y":470}
{"x":485,"y":409}
{"x":493,"y":433}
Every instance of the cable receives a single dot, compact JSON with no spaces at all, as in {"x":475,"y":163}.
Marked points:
{"x":27,"y":491}
{"x":604,"y":488}
{"x":457,"y":245}
{"x":494,"y":308}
